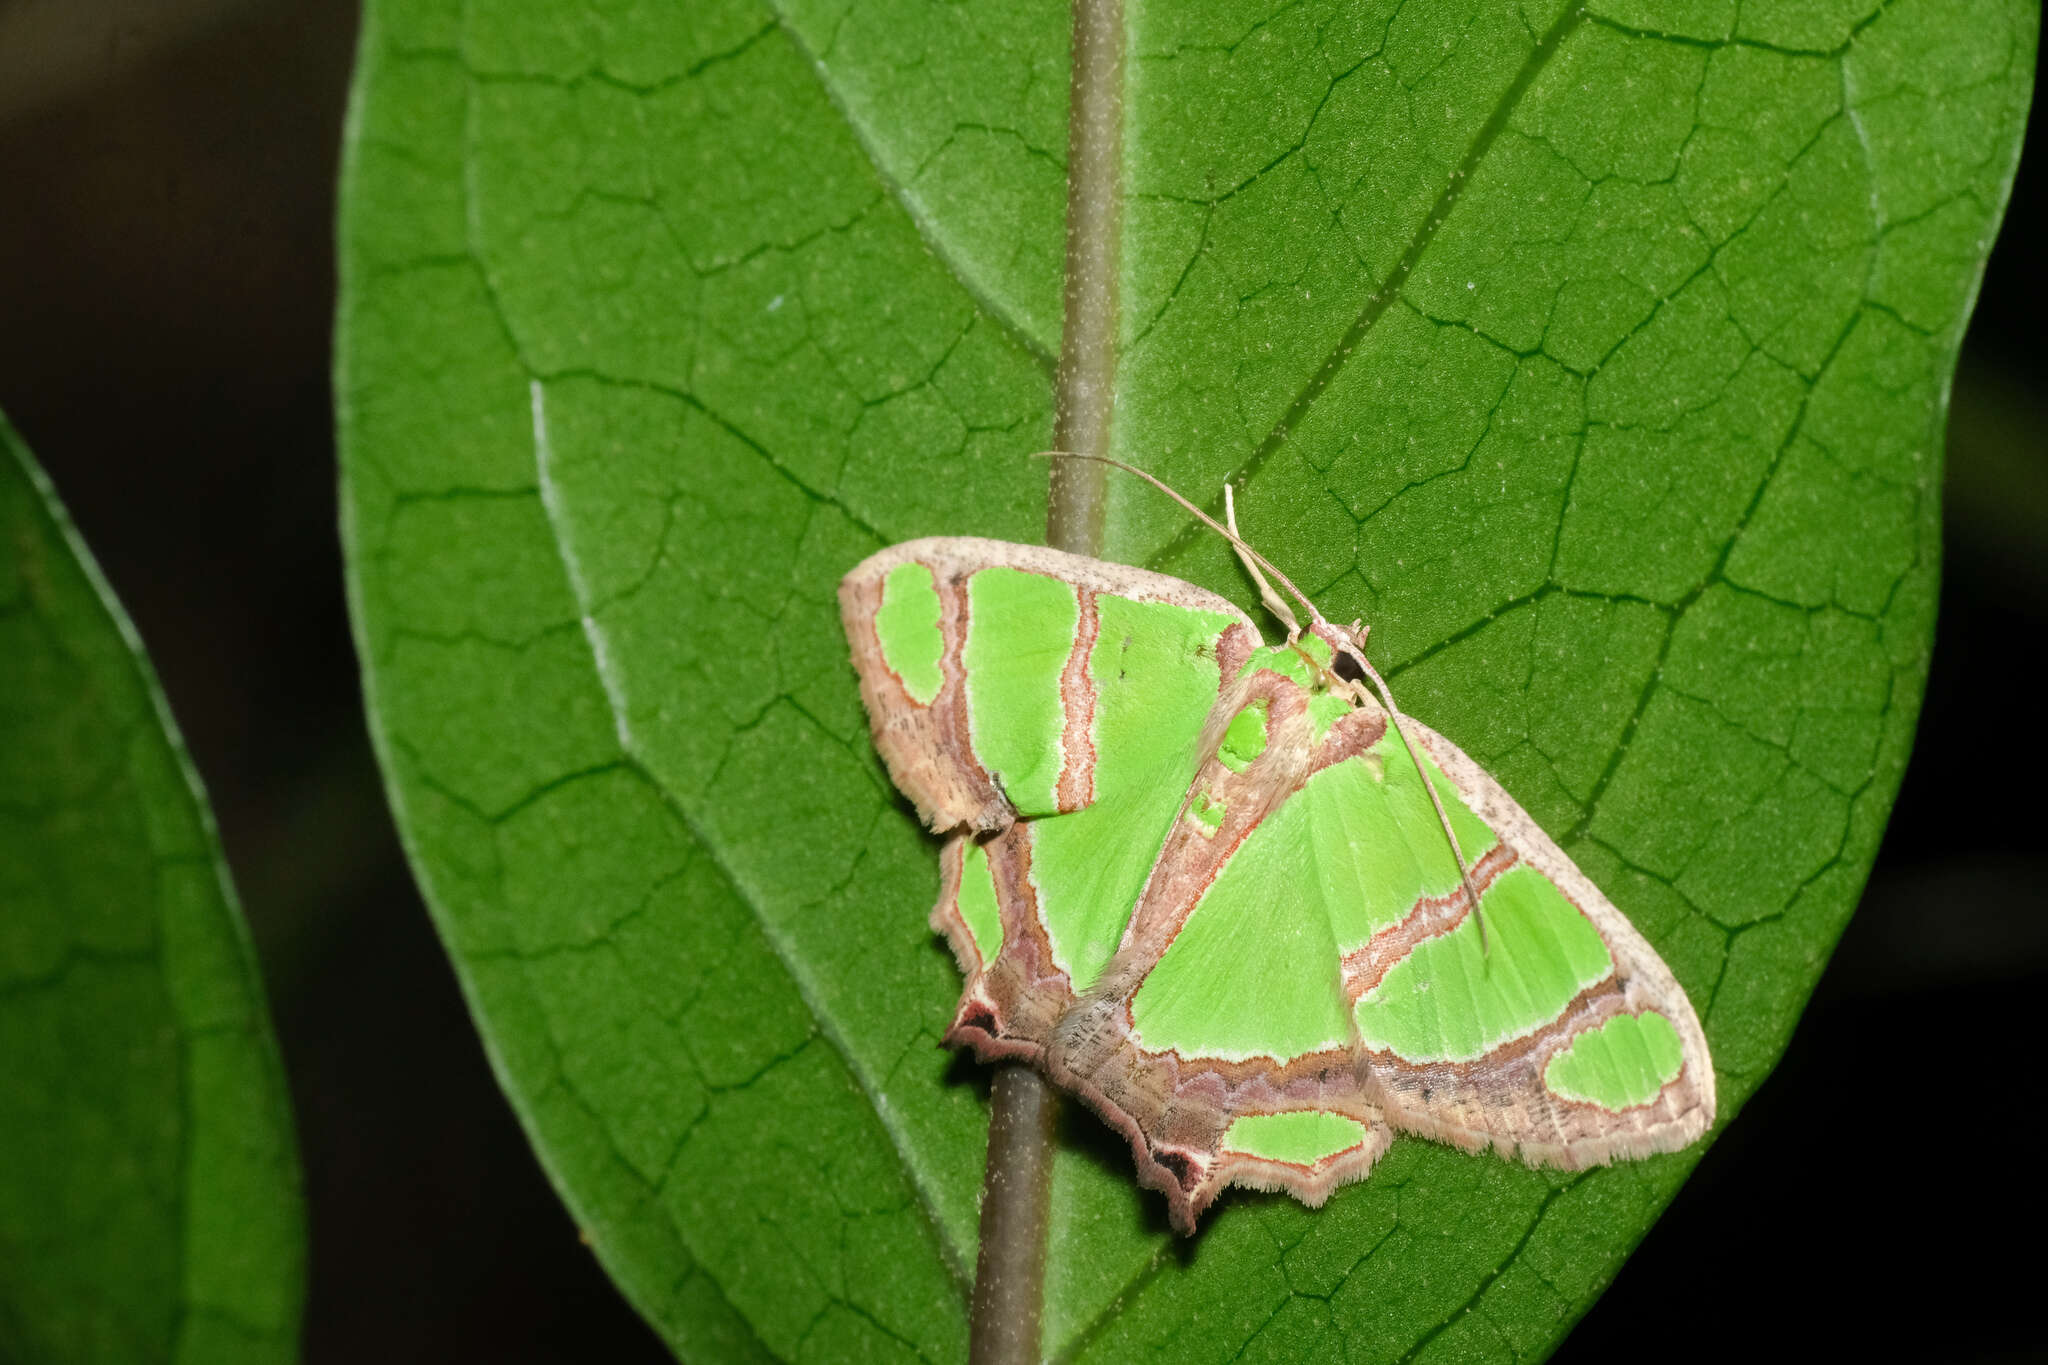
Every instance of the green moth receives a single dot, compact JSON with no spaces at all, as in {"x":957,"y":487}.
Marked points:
{"x":1198,"y":881}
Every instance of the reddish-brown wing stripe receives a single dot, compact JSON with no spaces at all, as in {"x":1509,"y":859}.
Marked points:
{"x":1432,"y":915}
{"x":953,"y":666}
{"x":1077,"y":701}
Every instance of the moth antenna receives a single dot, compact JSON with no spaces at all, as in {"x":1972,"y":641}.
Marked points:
{"x":1275,"y":603}
{"x":1442,"y":815}
{"x":1195,"y":512}
{"x":1251,"y":557}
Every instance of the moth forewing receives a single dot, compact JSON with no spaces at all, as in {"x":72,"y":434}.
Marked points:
{"x":909,"y":610}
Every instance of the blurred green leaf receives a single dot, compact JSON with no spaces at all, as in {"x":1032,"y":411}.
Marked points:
{"x":149,"y":1183}
{"x":1596,"y":355}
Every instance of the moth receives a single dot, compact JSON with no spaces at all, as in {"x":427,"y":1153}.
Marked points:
{"x":1255,"y":917}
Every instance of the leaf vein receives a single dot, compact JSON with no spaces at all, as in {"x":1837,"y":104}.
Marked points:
{"x":1381,"y":298}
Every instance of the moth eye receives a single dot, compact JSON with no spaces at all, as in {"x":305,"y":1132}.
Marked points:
{"x":1348,"y":667}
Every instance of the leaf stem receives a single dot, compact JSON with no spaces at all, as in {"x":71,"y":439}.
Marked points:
{"x":1086,"y":384}
{"x":1009,"y":1277}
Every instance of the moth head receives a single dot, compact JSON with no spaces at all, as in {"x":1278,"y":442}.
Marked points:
{"x":1347,"y":650}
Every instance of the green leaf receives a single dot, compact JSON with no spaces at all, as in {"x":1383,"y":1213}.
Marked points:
{"x":149,"y":1183}
{"x":1596,"y":355}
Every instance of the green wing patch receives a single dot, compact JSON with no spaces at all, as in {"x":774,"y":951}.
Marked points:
{"x":1245,"y":739}
{"x":978,"y":909}
{"x":1021,"y":626}
{"x":1619,"y":1065}
{"x":1253,"y":970}
{"x":908,"y":628}
{"x":1299,"y":1137}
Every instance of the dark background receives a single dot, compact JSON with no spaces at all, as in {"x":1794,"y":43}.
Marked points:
{"x":166,"y":280}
